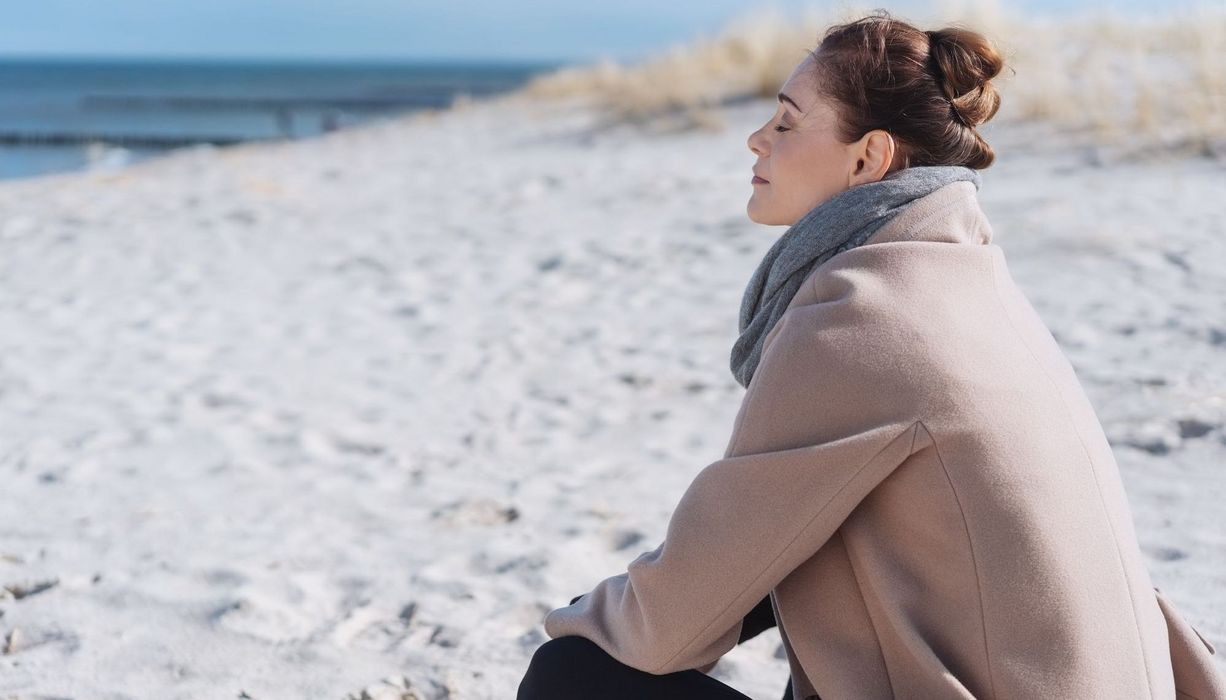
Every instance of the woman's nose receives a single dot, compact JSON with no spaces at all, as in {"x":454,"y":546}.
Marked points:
{"x":757,"y":143}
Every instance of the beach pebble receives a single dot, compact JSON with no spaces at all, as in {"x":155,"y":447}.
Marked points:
{"x":20,"y":590}
{"x":480,"y":512}
{"x":12,"y":640}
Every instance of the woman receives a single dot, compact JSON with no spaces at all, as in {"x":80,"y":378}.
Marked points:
{"x":916,"y":488}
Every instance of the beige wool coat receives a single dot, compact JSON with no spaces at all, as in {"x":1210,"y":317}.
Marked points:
{"x":918,"y":481}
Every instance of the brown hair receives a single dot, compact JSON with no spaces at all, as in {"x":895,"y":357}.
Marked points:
{"x":929,"y":89}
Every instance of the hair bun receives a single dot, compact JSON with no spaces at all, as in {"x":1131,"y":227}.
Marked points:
{"x":965,"y":64}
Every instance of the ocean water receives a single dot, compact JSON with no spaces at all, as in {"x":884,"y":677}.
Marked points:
{"x":59,"y":115}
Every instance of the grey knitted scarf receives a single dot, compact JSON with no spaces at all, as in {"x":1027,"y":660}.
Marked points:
{"x":844,"y":221}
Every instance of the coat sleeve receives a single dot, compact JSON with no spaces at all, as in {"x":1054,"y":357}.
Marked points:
{"x":830,"y":412}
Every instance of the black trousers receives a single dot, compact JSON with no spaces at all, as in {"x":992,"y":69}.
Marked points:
{"x":572,"y":667}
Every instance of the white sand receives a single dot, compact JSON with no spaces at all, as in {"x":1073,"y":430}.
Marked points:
{"x":283,"y":421}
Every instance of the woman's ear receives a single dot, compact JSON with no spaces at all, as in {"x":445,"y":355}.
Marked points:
{"x":872,"y":155}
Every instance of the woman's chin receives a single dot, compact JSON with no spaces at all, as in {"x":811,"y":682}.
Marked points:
{"x":754,"y":213}
{"x":758,"y":216}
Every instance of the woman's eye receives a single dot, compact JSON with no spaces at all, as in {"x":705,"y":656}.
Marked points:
{"x":781,"y":127}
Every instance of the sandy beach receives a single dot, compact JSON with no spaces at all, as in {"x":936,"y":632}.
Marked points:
{"x":351,"y":414}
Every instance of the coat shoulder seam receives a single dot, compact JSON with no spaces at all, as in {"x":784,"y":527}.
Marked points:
{"x":970,"y":543}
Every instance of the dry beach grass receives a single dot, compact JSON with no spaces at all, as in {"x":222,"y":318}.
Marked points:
{"x":1141,"y":80}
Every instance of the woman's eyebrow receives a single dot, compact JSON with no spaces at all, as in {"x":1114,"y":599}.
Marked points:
{"x":785,"y":98}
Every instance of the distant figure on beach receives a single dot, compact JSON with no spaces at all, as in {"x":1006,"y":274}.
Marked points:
{"x":917,"y":491}
{"x":285,"y":122}
{"x":329,"y":121}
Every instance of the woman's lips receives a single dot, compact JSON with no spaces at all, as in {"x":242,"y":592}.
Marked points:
{"x":758,"y":181}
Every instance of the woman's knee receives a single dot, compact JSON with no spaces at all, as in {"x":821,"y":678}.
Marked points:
{"x":557,"y":665}
{"x":566,"y":650}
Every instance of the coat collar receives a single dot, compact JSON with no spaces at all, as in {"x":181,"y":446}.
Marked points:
{"x":948,"y":214}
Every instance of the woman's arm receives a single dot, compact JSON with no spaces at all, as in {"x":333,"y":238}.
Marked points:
{"x":828,"y":416}
{"x":760,"y":619}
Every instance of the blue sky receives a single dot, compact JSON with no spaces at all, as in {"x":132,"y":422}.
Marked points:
{"x":388,"y":29}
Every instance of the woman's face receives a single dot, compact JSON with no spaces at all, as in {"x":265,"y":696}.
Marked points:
{"x":801,"y":160}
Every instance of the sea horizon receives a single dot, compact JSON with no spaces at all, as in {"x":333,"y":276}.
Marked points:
{"x":66,"y":113}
